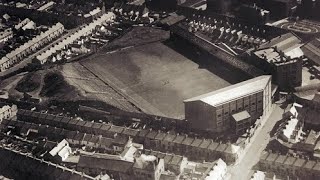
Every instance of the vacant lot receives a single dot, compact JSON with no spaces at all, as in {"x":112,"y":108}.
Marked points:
{"x":154,"y":77}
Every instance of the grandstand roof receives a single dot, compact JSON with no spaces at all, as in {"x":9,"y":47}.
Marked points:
{"x":234,"y":91}
{"x":283,"y":42}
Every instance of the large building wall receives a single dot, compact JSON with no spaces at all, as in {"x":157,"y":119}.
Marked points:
{"x":267,"y":99}
{"x":289,"y":75}
{"x":218,"y":118}
{"x":200,"y":115}
{"x":252,"y":103}
{"x":286,"y":75}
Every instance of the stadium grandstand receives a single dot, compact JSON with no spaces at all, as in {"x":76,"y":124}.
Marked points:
{"x":224,"y":39}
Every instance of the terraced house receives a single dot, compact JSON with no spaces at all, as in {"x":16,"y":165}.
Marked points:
{"x":30,"y":47}
{"x":190,"y":147}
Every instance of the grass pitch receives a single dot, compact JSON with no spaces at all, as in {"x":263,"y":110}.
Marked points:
{"x":155,"y":77}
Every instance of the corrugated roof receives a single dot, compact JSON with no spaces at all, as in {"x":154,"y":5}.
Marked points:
{"x":234,"y":91}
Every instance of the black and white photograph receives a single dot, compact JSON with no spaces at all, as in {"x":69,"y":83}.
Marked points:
{"x":159,"y":89}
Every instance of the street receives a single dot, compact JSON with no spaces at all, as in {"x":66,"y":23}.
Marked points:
{"x":241,"y":170}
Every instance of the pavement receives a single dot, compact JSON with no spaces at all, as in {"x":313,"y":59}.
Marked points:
{"x":241,"y":170}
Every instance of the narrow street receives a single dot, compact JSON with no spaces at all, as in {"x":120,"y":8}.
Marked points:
{"x":241,"y":170}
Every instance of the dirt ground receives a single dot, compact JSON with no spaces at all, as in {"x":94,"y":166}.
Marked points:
{"x":91,"y":87}
{"x":155,"y":77}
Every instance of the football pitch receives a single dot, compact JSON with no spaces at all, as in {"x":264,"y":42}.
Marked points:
{"x":155,"y":77}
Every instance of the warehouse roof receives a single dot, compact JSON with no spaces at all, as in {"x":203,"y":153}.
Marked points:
{"x":233,"y":92}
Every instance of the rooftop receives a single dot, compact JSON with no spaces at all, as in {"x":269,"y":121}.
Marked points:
{"x":307,"y":92}
{"x":312,"y":137}
{"x":290,"y":128}
{"x":105,"y":162}
{"x":232,"y":92}
{"x":274,"y":56}
{"x":285,"y":42}
{"x":312,"y":50}
{"x":241,"y":115}
{"x":205,"y":144}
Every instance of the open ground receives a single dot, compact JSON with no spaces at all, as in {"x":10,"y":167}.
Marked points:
{"x":156,"y":78}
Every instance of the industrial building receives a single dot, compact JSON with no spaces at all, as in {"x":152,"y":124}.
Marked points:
{"x":286,"y":71}
{"x":281,"y":57}
{"x":216,"y":110}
